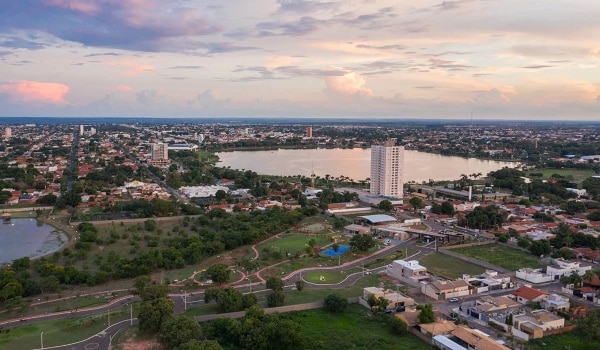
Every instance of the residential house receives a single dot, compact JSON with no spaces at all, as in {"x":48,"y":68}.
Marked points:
{"x":526,"y":294}
{"x":561,"y":267}
{"x":464,"y":337}
{"x":437,"y":328}
{"x":487,"y":307}
{"x":410,"y":272}
{"x":396,"y":299}
{"x":533,"y":325}
{"x":555,"y":302}
{"x":487,"y":281}
{"x":440,"y":290}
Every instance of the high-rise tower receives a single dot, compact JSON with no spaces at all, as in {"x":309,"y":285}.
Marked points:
{"x":160,"y":151}
{"x":387,"y":168}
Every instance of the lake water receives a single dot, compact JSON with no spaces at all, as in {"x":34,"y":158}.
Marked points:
{"x":354,"y":163}
{"x":29,"y":237}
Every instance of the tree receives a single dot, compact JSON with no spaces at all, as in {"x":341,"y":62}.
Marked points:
{"x":377,"y":304}
{"x":416,"y":202}
{"x":426,"y":315}
{"x":276,"y":298}
{"x":274,"y":283}
{"x":362,"y":243}
{"x":300,"y":285}
{"x":588,"y":276}
{"x":541,"y":247}
{"x":154,"y":313}
{"x":148,"y":290}
{"x":218,"y":273}
{"x":447,"y":208}
{"x":200,"y":345}
{"x":179,"y":330}
{"x":398,"y":325}
{"x":150,"y":225}
{"x":229,"y":299}
{"x":336,"y":303}
{"x":385,"y":205}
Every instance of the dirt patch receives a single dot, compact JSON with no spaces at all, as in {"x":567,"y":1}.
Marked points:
{"x":131,"y":343}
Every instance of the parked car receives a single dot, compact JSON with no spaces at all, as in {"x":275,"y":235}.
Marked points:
{"x":453,"y":300}
{"x":387,"y":241}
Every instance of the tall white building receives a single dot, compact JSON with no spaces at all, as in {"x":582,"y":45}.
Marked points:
{"x":7,"y":133}
{"x":387,"y":168}
{"x":160,"y":151}
{"x":81,"y":129}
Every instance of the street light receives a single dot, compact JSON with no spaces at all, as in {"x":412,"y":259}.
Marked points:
{"x":250,"y":284}
{"x":42,"y":340}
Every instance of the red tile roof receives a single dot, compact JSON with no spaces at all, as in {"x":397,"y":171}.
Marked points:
{"x":528,"y":293}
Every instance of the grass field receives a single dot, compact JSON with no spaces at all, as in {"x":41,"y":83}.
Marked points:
{"x":578,"y":175}
{"x":59,"y":332}
{"x":326,"y":277}
{"x":511,"y":259}
{"x":449,"y":267}
{"x":354,"y":329}
{"x":563,"y":341}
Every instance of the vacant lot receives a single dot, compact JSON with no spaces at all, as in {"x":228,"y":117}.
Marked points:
{"x":509,"y":258}
{"x":354,"y":329}
{"x":449,"y":267}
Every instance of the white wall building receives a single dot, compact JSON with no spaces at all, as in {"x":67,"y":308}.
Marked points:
{"x":7,"y":133}
{"x":387,"y":168}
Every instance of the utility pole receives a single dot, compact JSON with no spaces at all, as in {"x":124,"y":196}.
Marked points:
{"x":42,"y":340}
{"x":131,"y":313}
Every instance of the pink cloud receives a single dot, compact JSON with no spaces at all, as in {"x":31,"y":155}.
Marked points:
{"x":348,"y":84}
{"x":126,"y":88}
{"x":35,"y":91}
{"x":89,"y":7}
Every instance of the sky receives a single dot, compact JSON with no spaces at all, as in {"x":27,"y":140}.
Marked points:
{"x":480,"y":59}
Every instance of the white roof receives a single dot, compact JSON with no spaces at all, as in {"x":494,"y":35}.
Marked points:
{"x":448,"y":343}
{"x":378,"y":218}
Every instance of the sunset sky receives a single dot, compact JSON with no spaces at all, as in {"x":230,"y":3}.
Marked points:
{"x":493,"y":59}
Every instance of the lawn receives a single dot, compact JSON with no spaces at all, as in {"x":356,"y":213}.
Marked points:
{"x":448,"y":267}
{"x":503,"y":256}
{"x":353,"y":329}
{"x":294,"y":242}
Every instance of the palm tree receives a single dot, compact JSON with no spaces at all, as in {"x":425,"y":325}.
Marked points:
{"x":588,"y":276}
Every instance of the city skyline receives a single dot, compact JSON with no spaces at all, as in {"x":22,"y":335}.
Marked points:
{"x":281,"y":58}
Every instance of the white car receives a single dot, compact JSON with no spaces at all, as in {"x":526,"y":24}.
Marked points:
{"x":387,"y":241}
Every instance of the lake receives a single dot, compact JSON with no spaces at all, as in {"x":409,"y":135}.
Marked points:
{"x":29,"y":237}
{"x":354,"y":163}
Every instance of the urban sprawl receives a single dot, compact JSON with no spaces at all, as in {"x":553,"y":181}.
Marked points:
{"x":169,"y":250}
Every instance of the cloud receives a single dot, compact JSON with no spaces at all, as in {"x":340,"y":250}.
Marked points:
{"x":186,"y":67}
{"x":303,"y":26}
{"x":35,"y":91}
{"x":539,"y":66}
{"x":20,"y":43}
{"x":149,"y":97}
{"x":350,"y":84}
{"x":382,"y":47}
{"x":126,"y":88}
{"x":102,"y":54}
{"x":149,"y":25}
{"x":305,"y":6}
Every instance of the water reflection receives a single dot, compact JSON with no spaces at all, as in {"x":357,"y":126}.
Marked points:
{"x":354,"y":163}
{"x":29,"y":237}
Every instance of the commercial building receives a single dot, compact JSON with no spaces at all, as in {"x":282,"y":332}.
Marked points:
{"x":7,"y":133}
{"x":387,"y":165}
{"x":309,"y":132}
